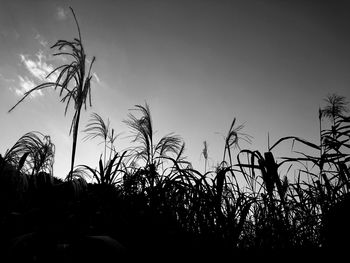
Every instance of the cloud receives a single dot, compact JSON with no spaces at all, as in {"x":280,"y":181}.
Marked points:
{"x":41,"y":40}
{"x":6,"y":79}
{"x":38,"y":67}
{"x":61,"y":13}
{"x":27,"y":84}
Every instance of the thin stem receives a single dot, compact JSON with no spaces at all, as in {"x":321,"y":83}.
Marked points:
{"x":75,"y":138}
{"x":104,"y":156}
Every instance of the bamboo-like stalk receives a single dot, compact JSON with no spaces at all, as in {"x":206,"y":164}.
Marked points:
{"x":72,"y":72}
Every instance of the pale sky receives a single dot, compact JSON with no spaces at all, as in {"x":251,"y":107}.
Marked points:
{"x":198,"y":64}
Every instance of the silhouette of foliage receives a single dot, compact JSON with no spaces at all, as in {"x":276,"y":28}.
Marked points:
{"x":135,"y":207}
{"x":98,"y":128}
{"x":149,"y":195}
{"x":32,"y":153}
{"x":74,"y":82}
{"x":336,"y":106}
{"x":147,"y":150}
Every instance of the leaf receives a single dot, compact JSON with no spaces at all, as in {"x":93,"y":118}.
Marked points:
{"x":312,"y":145}
{"x":109,"y":169}
{"x":22,"y":160}
{"x":101,"y":171}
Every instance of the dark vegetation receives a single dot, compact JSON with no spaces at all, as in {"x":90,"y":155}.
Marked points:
{"x":149,"y":200}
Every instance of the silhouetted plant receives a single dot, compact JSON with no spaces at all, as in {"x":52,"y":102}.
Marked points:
{"x":311,"y":200}
{"x":270,"y":210}
{"x":247,"y":203}
{"x":335,"y":108}
{"x":107,"y":174}
{"x":32,"y":153}
{"x":98,"y":128}
{"x":73,"y":81}
{"x":232,"y":139}
{"x":143,"y":133}
{"x":13,"y":184}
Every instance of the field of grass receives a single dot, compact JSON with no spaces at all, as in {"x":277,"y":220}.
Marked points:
{"x":148,"y":199}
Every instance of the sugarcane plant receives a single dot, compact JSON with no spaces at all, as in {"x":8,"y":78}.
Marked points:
{"x":98,"y":128}
{"x":73,"y":81}
{"x":149,"y":152}
{"x":32,"y":153}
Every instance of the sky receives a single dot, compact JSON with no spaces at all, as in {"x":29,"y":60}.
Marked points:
{"x":198,"y":64}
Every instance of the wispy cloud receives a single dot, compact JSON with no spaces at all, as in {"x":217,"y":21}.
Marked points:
{"x":38,"y":70}
{"x":9,"y":80}
{"x":27,"y":84}
{"x":61,"y":13}
{"x":38,"y":67}
{"x":42,"y":41}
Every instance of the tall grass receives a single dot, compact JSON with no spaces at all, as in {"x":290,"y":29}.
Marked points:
{"x":150,"y":194}
{"x":32,"y":153}
{"x":247,"y":202}
{"x":74,"y":82}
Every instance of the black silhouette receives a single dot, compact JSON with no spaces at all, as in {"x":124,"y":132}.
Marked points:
{"x":149,"y":202}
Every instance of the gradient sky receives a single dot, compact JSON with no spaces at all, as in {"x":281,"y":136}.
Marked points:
{"x":198,"y":64}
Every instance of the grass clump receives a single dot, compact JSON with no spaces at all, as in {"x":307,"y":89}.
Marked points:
{"x":149,"y":196}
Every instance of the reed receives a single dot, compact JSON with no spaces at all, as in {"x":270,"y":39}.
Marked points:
{"x":74,"y":82}
{"x":149,"y":194}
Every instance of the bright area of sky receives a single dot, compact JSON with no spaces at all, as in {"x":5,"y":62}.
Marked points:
{"x":198,"y":64}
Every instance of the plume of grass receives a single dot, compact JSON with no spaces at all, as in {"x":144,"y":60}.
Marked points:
{"x":143,"y":134}
{"x":98,"y":128}
{"x":32,"y":153}
{"x":74,"y":82}
{"x":336,"y":107}
{"x":232,"y":140}
{"x":107,"y":175}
